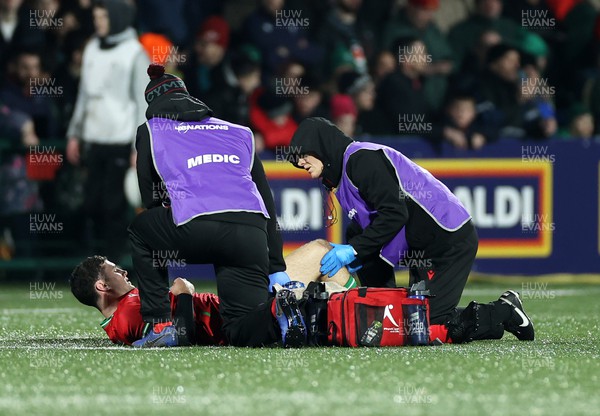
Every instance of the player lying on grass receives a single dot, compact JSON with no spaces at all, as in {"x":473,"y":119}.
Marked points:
{"x":100,"y":283}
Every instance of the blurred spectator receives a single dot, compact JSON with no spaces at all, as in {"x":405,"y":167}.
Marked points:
{"x":232,"y":101}
{"x":537,"y":49}
{"x":461,"y":127}
{"x":305,"y":90}
{"x":488,"y":39}
{"x":270,"y":116}
{"x":590,"y":91}
{"x":16,"y":34}
{"x":561,"y":8}
{"x":29,"y":89}
{"x":291,"y":69}
{"x":400,"y":94}
{"x":361,"y":89}
{"x":205,"y":69}
{"x":311,"y":102}
{"x":176,"y":19}
{"x":77,"y":17}
{"x":499,"y":89}
{"x":531,"y":11}
{"x":167,"y":18}
{"x":373,"y":16}
{"x":18,"y":128}
{"x":488,"y":16}
{"x":475,"y":60}
{"x":280,"y":36}
{"x":343,"y":30}
{"x":314,"y":10}
{"x":19,"y":196}
{"x":385,"y":64}
{"x":416,"y":20}
{"x":110,"y":105}
{"x":581,"y":124}
{"x":68,"y":76}
{"x":343,"y":113}
{"x":539,"y":118}
{"x":44,"y":17}
{"x":576,"y":20}
{"x":340,"y":61}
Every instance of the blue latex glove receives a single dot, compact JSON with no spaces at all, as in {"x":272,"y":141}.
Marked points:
{"x":278,"y":277}
{"x":341,"y":255}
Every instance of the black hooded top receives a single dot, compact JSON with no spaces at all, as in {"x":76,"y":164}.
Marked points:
{"x":370,"y":171}
{"x":184,"y":107}
{"x":375,"y":177}
{"x":319,"y":137}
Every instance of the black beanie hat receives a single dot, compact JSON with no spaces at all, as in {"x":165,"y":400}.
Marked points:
{"x":161,"y":83}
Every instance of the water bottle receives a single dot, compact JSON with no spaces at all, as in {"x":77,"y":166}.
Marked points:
{"x":417,"y":327}
{"x":372,"y":336}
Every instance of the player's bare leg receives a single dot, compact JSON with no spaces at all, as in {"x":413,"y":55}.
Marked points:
{"x":303,"y":264}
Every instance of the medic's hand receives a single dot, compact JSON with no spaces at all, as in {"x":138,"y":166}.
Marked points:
{"x":278,"y":277}
{"x":341,"y":255}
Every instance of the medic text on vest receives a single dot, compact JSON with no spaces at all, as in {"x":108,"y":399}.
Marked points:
{"x":212,"y":158}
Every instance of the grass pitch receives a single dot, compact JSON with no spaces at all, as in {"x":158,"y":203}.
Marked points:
{"x":56,"y":360}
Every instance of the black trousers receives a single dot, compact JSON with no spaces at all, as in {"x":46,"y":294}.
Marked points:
{"x":441,"y":258}
{"x":105,"y":204}
{"x":239,"y":254}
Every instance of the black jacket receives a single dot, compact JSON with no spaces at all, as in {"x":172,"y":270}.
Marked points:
{"x":375,"y":177}
{"x":504,"y":96}
{"x":398,"y":95}
{"x":184,"y":107}
{"x":369,"y":171}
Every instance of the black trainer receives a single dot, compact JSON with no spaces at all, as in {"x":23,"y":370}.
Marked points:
{"x":519,"y":324}
{"x":289,"y":317}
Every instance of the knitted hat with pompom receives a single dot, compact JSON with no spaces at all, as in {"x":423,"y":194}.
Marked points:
{"x":161,"y":83}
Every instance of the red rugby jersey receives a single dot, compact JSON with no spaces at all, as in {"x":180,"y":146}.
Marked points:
{"x":126,"y":325}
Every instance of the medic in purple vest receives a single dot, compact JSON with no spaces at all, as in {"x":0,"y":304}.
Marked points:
{"x":403,"y":215}
{"x":207,"y":201}
{"x":400,"y":215}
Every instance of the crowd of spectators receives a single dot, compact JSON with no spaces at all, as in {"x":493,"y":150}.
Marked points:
{"x":509,"y":68}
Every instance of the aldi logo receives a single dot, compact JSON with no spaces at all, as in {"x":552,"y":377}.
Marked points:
{"x":510,"y":203}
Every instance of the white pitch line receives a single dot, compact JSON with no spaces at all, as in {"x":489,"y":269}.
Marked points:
{"x":71,"y":347}
{"x":532,"y":290}
{"x":36,"y":310}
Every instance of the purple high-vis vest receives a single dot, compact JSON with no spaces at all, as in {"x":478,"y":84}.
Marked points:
{"x":205,"y":166}
{"x":417,"y":183}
